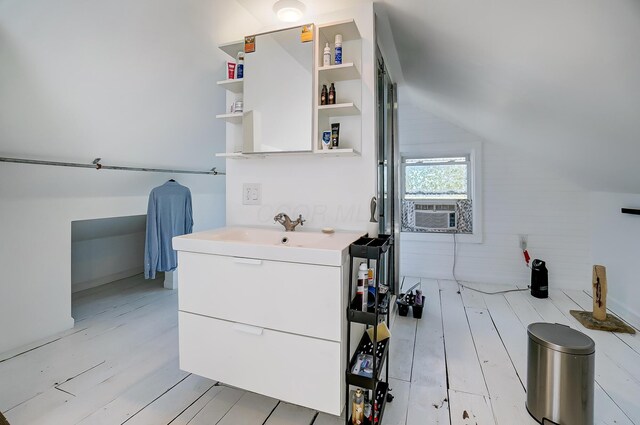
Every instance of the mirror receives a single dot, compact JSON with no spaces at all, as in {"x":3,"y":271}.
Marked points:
{"x":278,"y":93}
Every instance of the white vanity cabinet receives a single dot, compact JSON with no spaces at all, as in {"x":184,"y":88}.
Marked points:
{"x":269,"y":326}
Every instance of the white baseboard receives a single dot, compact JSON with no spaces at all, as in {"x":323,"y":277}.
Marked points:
{"x":630,"y":316}
{"x":81,"y":286}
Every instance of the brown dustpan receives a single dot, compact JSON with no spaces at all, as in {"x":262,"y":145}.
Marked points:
{"x":599,"y":320}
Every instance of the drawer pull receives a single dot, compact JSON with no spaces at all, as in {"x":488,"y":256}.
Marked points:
{"x":251,"y":330}
{"x":247,"y":261}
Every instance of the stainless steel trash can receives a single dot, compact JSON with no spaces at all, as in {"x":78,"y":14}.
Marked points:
{"x":560,"y":375}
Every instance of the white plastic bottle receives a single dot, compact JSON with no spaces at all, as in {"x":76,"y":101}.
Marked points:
{"x":327,"y":55}
{"x":338,"y":49}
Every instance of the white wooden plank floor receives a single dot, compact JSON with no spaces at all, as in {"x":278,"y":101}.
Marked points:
{"x":463,"y":363}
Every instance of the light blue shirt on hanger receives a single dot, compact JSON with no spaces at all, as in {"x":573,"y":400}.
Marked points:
{"x":169,"y":214}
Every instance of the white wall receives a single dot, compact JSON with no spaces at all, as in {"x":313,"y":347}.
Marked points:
{"x":95,"y":262}
{"x":106,"y":250}
{"x":133,"y":83}
{"x":616,"y":245}
{"x":331,"y":192}
{"x":519,"y":198}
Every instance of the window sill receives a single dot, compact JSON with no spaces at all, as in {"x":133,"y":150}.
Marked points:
{"x":440,"y":237}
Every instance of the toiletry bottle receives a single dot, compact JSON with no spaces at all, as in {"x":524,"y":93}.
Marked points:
{"x":327,"y":55}
{"x":332,"y":95}
{"x":365,"y":295}
{"x":361,"y":287}
{"x":231,"y":70}
{"x":335,"y":135}
{"x":323,"y":95}
{"x":240,"y":65}
{"x":368,"y":414}
{"x":357,"y":410}
{"x":370,"y":276}
{"x":338,"y":59}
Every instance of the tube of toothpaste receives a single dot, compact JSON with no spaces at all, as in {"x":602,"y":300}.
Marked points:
{"x":231,"y":70}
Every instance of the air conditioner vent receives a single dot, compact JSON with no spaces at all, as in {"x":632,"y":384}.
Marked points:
{"x":435,"y":216}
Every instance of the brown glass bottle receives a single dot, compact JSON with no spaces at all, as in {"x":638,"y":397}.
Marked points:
{"x":323,"y":95}
{"x":332,"y":95}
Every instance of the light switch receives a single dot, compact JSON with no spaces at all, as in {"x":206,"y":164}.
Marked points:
{"x":252,"y":194}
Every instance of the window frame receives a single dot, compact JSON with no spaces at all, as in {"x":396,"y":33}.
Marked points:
{"x":471,"y":150}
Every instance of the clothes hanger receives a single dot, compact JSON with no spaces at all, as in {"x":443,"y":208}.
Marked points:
{"x":171,"y":180}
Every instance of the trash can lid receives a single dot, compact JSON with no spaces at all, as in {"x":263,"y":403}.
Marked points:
{"x":561,"y":338}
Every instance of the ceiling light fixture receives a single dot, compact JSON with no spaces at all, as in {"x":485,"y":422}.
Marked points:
{"x":289,"y":10}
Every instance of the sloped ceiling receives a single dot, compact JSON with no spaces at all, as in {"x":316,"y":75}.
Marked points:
{"x":558,"y":80}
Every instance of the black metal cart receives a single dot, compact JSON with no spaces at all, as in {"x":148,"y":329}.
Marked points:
{"x":372,"y":250}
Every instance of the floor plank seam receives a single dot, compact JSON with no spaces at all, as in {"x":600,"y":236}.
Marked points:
{"x":41,"y":345}
{"x":152,"y":401}
{"x":81,"y":373}
{"x":230,"y":407}
{"x":23,"y":402}
{"x":475,"y":348}
{"x":444,"y":348}
{"x":507,"y":351}
{"x":413,"y":361}
{"x":271,"y":413}
{"x":616,"y":403}
{"x":67,"y":392}
{"x":191,"y":404}
{"x":484,"y":378}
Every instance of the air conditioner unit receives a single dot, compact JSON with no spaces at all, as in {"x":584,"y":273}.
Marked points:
{"x":431,"y":216}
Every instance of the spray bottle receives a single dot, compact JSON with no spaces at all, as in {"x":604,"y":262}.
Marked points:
{"x":327,"y":55}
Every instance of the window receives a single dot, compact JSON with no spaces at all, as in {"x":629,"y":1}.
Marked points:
{"x":444,"y":178}
{"x":437,"y":193}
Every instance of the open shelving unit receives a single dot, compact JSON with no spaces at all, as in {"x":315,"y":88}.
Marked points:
{"x":342,"y":72}
{"x":347,"y":78}
{"x":232,"y":48}
{"x":348,"y":83}
{"x":234,"y":86}
{"x":234,"y":118}
{"x":234,"y":91}
{"x":338,"y":110}
{"x":372,"y":250}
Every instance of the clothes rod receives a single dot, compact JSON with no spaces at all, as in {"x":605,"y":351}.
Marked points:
{"x":634,"y":211}
{"x":96,"y":165}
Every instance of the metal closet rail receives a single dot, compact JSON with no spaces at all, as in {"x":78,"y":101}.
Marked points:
{"x":98,"y":166}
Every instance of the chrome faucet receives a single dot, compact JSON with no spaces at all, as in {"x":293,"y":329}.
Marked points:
{"x":289,"y":226}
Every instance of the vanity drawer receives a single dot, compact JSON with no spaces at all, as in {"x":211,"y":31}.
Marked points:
{"x":297,"y":369}
{"x":304,"y":299}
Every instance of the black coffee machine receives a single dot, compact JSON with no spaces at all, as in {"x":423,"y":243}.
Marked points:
{"x":539,"y":279}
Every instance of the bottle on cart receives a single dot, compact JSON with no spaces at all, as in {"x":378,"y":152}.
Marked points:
{"x":368,"y":411}
{"x":361,"y":288}
{"x":357,"y":409}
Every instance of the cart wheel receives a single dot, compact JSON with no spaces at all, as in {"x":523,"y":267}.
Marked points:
{"x":389,"y":398}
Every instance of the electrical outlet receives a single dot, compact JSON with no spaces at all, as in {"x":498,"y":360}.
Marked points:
{"x":251,"y":194}
{"x":524,"y":239}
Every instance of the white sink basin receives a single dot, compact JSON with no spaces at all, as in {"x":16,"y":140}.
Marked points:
{"x":307,"y":246}
{"x":270,"y":237}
